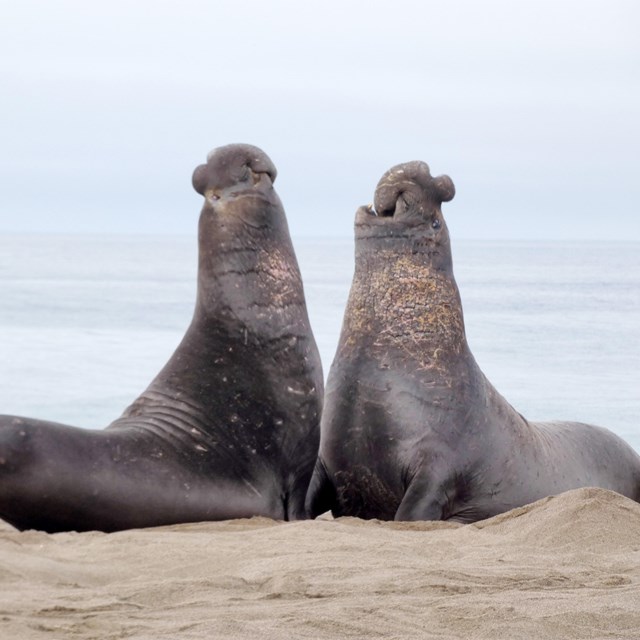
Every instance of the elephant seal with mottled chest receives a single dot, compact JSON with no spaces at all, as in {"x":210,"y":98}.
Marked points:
{"x":411,"y":428}
{"x":230,"y":427}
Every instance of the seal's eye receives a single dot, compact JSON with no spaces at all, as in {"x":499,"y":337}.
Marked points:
{"x":436,"y":224}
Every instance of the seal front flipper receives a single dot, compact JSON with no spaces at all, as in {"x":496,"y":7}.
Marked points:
{"x":426,"y":506}
{"x":321,"y":496}
{"x":430,"y":497}
{"x":424,"y":499}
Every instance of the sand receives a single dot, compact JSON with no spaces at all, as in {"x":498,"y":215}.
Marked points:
{"x":564,"y":567}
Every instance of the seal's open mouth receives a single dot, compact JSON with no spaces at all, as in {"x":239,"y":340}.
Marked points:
{"x":408,"y":193}
{"x":407,"y":207}
{"x":370,"y":210}
{"x":367,"y":215}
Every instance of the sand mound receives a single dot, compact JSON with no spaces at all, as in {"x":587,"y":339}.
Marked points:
{"x":564,"y":567}
{"x":593,"y":519}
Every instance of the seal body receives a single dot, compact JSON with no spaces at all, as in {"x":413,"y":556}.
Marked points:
{"x":411,"y":428}
{"x":230,"y":426}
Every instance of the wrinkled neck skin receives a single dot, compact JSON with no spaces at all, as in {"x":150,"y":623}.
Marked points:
{"x":403,"y":298}
{"x":248,"y":276}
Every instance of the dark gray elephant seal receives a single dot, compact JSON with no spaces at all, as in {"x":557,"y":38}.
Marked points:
{"x":230,"y":427}
{"x":411,"y":428}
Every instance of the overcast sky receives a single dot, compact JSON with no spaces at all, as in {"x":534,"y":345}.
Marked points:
{"x":532,"y":108}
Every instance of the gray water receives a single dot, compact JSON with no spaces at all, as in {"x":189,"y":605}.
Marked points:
{"x":87,"y":321}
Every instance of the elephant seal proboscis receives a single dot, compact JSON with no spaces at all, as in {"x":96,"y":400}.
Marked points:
{"x":411,"y":428}
{"x":230,"y":426}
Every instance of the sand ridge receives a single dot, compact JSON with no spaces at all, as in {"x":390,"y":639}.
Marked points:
{"x":563,"y":567}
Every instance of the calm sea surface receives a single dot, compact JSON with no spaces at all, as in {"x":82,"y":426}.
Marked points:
{"x":87,"y":321}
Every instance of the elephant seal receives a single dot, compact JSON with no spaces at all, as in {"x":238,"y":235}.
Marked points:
{"x":229,"y":428}
{"x":411,"y":428}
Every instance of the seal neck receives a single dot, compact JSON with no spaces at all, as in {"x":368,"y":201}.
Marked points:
{"x":404,"y":298}
{"x":248,"y":275}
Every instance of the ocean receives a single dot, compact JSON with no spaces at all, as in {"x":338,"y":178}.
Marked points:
{"x":87,"y":321}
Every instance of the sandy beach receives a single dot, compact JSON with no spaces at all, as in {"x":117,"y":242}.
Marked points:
{"x":564,"y":567}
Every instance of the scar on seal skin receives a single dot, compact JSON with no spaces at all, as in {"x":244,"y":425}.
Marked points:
{"x":230,"y":427}
{"x":411,"y":428}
